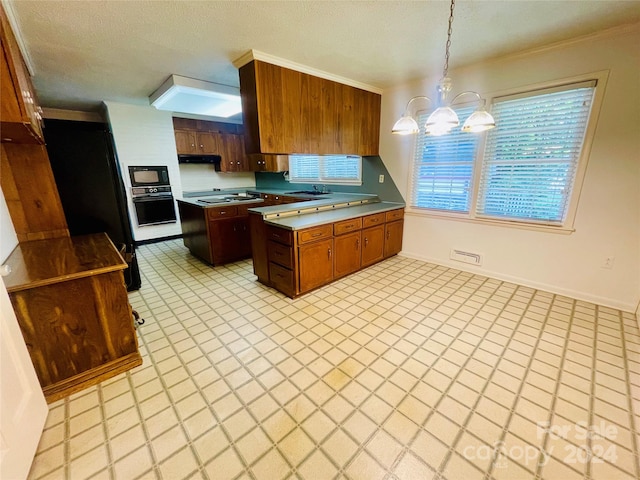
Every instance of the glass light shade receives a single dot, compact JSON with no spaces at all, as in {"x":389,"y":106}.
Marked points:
{"x":479,"y":121}
{"x":442,"y":118}
{"x":437,"y":130}
{"x":406,"y":125}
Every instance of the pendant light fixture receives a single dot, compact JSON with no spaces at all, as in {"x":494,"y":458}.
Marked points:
{"x":443,"y":119}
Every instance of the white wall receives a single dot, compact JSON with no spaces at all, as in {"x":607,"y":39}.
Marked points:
{"x":144,"y":136}
{"x":201,"y":177}
{"x":608,"y":216}
{"x":8,"y":238}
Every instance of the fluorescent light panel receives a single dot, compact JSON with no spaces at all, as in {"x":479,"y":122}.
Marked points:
{"x":188,"y":95}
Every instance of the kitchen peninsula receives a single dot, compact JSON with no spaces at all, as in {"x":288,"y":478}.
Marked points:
{"x":300,"y":247}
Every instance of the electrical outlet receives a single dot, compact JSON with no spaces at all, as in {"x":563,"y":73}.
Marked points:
{"x":608,"y":262}
{"x":381,"y":179}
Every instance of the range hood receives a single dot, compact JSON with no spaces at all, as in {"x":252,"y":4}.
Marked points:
{"x":215,"y":159}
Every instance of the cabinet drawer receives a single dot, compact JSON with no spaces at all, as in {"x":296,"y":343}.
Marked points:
{"x":316,"y":233}
{"x":394,"y":215}
{"x":280,"y":235}
{"x":222,"y":212}
{"x":281,"y":278}
{"x":347,"y":226}
{"x":280,"y":254}
{"x":372,"y":220}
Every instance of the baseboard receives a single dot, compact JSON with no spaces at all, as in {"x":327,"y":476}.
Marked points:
{"x":156,"y":240}
{"x":604,"y":301}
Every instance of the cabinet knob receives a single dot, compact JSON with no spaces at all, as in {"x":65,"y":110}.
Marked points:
{"x":366,"y":241}
{"x":357,"y":243}
{"x":329,"y":252}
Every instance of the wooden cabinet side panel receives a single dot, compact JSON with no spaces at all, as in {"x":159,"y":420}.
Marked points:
{"x":74,"y":326}
{"x":259,"y":246}
{"x":270,"y":107}
{"x":31,"y":192}
{"x":194,"y":231}
{"x":10,"y":105}
{"x":292,"y":120}
{"x":249,"y":97}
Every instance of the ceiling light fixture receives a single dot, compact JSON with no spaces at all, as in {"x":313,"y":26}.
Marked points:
{"x":443,"y":119}
{"x":188,"y":95}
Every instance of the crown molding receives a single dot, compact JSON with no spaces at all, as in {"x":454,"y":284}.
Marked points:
{"x":17,"y":33}
{"x":281,"y":62}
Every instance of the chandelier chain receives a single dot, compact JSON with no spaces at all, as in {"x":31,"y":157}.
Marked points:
{"x":448,"y":45}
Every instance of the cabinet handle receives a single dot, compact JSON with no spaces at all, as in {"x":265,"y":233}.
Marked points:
{"x":235,"y":229}
{"x":366,"y":241}
{"x":316,"y":234}
{"x":357,"y":243}
{"x":388,"y":233}
{"x":329,"y":253}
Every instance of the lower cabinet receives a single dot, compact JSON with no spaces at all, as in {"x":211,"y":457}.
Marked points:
{"x":393,"y":238}
{"x":230,"y":239}
{"x":372,"y":245}
{"x":315,"y":264}
{"x":297,"y":261}
{"x":347,"y":254}
{"x":216,"y":235}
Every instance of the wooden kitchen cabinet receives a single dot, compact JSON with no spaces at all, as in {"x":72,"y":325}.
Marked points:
{"x":372,"y":245}
{"x":347,"y":254}
{"x":286,"y":111}
{"x":297,"y":261}
{"x":216,"y":235}
{"x":229,"y":239}
{"x":20,"y":114}
{"x":393,"y":238}
{"x":232,"y":153}
{"x":71,"y":303}
{"x":316,"y":264}
{"x":186,"y":142}
{"x":207,"y":143}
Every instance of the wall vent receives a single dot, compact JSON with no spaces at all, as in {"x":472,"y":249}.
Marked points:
{"x":465,"y":257}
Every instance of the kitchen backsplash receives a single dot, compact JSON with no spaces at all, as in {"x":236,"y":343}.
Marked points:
{"x":197,"y":177}
{"x":372,"y":168}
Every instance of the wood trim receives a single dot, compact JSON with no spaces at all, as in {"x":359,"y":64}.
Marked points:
{"x":91,"y":377}
{"x":281,"y":62}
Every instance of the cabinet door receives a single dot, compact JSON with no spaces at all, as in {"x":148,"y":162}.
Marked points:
{"x":207,"y":143}
{"x":223,"y":238}
{"x":393,"y":238}
{"x":243,"y":237}
{"x":372,"y":245}
{"x":185,"y":142}
{"x":316,"y":264}
{"x":347,"y":254}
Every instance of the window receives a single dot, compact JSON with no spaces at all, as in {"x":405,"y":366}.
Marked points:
{"x":331,"y":169}
{"x":444,"y":167}
{"x":522,"y":171}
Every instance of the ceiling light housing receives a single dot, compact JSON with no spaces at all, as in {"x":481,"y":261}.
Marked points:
{"x":444,"y":119}
{"x":188,"y":95}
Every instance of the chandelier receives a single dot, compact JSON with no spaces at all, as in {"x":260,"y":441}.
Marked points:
{"x":443,"y":119}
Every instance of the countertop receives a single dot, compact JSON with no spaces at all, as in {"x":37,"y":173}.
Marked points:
{"x":327,"y":211}
{"x":45,"y":262}
{"x":194,"y":201}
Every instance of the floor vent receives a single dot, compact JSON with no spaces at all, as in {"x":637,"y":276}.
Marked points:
{"x":466,"y":257}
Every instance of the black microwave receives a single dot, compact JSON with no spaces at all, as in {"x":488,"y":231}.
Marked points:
{"x":149,"y":176}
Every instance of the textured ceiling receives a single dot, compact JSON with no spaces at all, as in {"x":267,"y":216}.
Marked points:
{"x":84,"y":52}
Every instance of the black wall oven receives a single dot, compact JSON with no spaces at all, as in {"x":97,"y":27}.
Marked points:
{"x":152,"y":197}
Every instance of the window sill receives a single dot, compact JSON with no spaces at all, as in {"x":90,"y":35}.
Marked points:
{"x":417,"y":212}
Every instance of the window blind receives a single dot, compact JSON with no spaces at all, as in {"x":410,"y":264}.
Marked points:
{"x":531,"y":157}
{"x":332,"y":169}
{"x":443,"y":167}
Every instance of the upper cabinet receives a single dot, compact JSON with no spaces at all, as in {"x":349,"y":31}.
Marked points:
{"x":20,"y":115}
{"x":286,"y":111}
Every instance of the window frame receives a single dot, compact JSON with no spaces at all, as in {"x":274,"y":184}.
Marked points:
{"x":326,"y":180}
{"x":567,"y":226}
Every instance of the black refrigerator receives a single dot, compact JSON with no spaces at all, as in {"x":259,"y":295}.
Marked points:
{"x":89,"y":181}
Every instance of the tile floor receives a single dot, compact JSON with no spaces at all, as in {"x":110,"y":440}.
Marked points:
{"x":405,"y":370}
